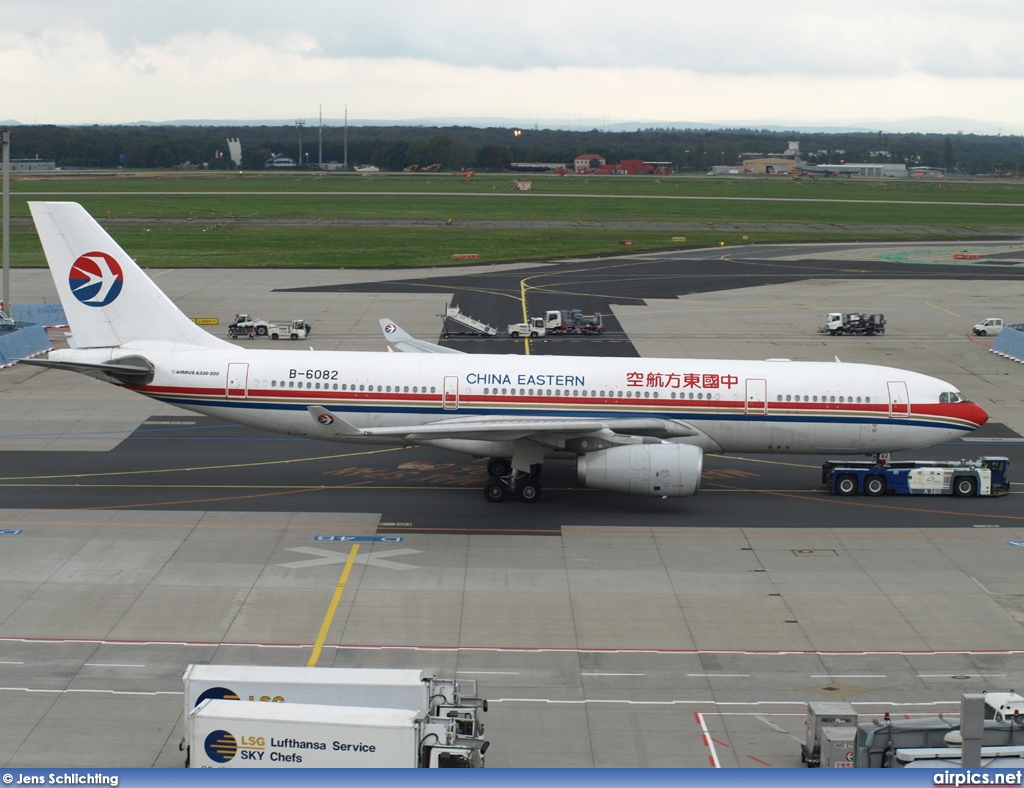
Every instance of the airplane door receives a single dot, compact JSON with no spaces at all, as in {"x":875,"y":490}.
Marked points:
{"x":450,"y":400}
{"x":899,"y":400}
{"x":757,"y":397}
{"x":238,"y":381}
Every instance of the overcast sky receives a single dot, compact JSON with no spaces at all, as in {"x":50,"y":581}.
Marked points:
{"x":871,"y":63}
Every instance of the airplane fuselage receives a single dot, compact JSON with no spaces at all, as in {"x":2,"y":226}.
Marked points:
{"x":735,"y":406}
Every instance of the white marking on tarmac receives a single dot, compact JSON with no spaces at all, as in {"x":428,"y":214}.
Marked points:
{"x":110,"y":665}
{"x":328,"y":557}
{"x":509,"y":649}
{"x":718,"y":675}
{"x":94,"y":691}
{"x":12,"y":663}
{"x":849,"y":676}
{"x":709,"y":741}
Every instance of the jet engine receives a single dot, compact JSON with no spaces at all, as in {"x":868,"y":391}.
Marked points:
{"x":654,"y":469}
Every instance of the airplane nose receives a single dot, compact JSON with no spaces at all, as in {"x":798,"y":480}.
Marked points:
{"x":975,"y":413}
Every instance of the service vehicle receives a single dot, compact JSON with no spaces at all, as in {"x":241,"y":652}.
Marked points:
{"x":572,"y":321}
{"x":533,"y":328}
{"x":1004,"y":706}
{"x":457,"y":316}
{"x":963,"y":478}
{"x":247,"y":326}
{"x":371,"y":687}
{"x":989,"y":327}
{"x":853,"y":323}
{"x":243,"y":323}
{"x":296,"y":329}
{"x":227,"y":734}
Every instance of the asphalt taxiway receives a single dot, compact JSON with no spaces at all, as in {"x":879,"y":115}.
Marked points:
{"x":136,"y":538}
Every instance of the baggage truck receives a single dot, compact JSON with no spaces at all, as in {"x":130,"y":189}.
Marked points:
{"x":377,"y":688}
{"x":228,"y":734}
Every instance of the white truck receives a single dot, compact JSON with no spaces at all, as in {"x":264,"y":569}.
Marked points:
{"x":296,"y":329}
{"x":370,"y":687}
{"x":227,"y":734}
{"x":1004,"y":707}
{"x":860,"y":323}
{"x":243,"y":324}
{"x":989,"y":327}
{"x":533,"y":328}
{"x":248,"y":326}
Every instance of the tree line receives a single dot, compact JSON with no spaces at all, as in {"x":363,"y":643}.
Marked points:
{"x":494,"y":149}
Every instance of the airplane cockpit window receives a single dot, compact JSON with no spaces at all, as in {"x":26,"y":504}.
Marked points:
{"x":952,"y":396}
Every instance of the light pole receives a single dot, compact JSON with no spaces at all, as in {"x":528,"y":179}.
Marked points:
{"x":6,"y":139}
{"x":300,"y":124}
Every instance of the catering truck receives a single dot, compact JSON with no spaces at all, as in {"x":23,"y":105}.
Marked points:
{"x":228,"y":734}
{"x":371,"y":687}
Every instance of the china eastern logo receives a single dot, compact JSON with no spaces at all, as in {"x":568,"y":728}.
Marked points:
{"x":96,"y":279}
{"x":221,"y":746}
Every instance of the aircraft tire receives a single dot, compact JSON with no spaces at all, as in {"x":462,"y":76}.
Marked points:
{"x":495,"y":491}
{"x":529,"y":491}
{"x":498,"y":466}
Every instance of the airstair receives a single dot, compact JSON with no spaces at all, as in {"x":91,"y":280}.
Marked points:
{"x":455,"y":315}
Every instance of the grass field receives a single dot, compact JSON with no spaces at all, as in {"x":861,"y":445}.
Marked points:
{"x":242,"y":215}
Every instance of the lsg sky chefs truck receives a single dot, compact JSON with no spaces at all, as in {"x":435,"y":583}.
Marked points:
{"x":229,"y":734}
{"x":418,"y":690}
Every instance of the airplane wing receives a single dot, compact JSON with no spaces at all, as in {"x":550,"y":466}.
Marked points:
{"x":405,"y":343}
{"x":548,"y":431}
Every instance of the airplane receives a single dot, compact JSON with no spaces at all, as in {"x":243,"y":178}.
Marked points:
{"x":825,"y":169}
{"x":634,"y":425}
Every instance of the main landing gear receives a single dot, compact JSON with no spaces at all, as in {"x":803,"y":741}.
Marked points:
{"x":506,"y":480}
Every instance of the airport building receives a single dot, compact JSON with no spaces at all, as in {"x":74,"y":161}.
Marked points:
{"x":32,"y":165}
{"x":585,"y":162}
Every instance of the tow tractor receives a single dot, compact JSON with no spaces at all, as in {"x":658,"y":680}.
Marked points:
{"x":534,"y":328}
{"x":297,"y":329}
{"x":243,"y":324}
{"x":986,"y":476}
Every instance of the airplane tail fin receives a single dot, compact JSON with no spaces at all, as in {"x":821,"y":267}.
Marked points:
{"x":109,"y":301}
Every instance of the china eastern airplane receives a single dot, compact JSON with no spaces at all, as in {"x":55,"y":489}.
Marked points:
{"x":636,"y":425}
